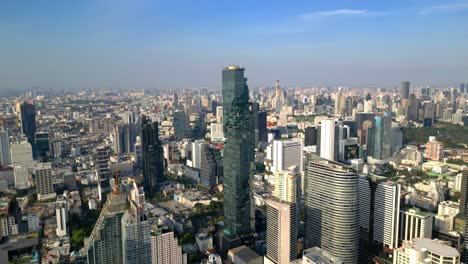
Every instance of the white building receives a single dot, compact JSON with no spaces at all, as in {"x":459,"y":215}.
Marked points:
{"x":281,"y":232}
{"x":196,"y":153}
{"x":387,"y":214}
{"x":327,"y":139}
{"x":22,"y":175}
{"x":217,"y":132}
{"x":32,"y":219}
{"x":286,"y":154}
{"x":62,"y":214}
{"x":8,"y":226}
{"x":424,"y":250}
{"x":21,"y":154}
{"x":414,"y":223}
{"x":204,"y":242}
{"x":287,"y":185}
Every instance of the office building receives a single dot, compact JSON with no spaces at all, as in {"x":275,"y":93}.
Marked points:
{"x":281,"y":231}
{"x":153,"y":159}
{"x":239,"y":152}
{"x":165,"y":249}
{"x":332,"y":193}
{"x":180,"y":125}
{"x":387,"y":214}
{"x":138,"y":153}
{"x":310,"y":136}
{"x":124,"y":137}
{"x":415,"y":223}
{"x":378,"y":138}
{"x":22,"y":177}
{"x":405,"y":90}
{"x":44,"y":181}
{"x":62,"y":214}
{"x":211,"y":168}
{"x":28,"y":121}
{"x":425,"y":250}
{"x":287,"y":153}
{"x":338,"y":103}
{"x":217,"y":133}
{"x":5,"y":155}
{"x":41,"y":140}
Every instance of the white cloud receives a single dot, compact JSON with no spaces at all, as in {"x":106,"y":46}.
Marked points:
{"x":341,"y":12}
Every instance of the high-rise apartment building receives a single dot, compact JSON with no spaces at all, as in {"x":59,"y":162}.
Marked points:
{"x":153,"y":157}
{"x":136,"y":238}
{"x":281,"y":231}
{"x":5,"y":155}
{"x":165,"y":249}
{"x":44,"y":181}
{"x":104,"y":245}
{"x":287,"y":153}
{"x":62,"y":214}
{"x":415,"y":223}
{"x":434,"y":149}
{"x":387,"y":214}
{"x":239,"y":152}
{"x":288,"y":185}
{"x":332,"y":209}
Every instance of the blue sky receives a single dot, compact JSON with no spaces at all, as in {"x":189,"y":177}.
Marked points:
{"x":185,"y":44}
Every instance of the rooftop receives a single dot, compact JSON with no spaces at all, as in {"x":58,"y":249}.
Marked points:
{"x":435,"y":246}
{"x":244,"y":253}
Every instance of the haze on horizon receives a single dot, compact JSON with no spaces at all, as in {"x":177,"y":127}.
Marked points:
{"x":185,"y":44}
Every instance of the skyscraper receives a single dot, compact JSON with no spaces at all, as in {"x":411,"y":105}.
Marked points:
{"x":103,"y":172}
{"x":281,"y":231}
{"x":5,"y":156}
{"x":328,"y":140}
{"x":387,"y":214}
{"x":286,"y":154}
{"x":41,"y":141}
{"x":379,"y":139}
{"x":405,"y":88}
{"x":338,"y":104}
{"x":332,"y":209}
{"x":104,"y":245}
{"x":62,"y":214}
{"x":180,"y":125}
{"x":239,"y":154}
{"x":28,"y":122}
{"x":153,"y":157}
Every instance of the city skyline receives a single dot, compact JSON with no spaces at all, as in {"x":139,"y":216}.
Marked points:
{"x":145,"y":44}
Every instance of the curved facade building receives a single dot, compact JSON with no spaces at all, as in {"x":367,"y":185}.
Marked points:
{"x":332,"y":209}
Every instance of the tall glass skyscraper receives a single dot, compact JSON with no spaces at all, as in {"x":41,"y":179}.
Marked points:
{"x":153,"y":158}
{"x":239,"y":152}
{"x":28,"y":122}
{"x":379,"y":140}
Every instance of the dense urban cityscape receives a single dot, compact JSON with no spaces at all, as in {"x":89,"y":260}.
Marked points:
{"x":234,"y":132}
{"x":268,"y":175}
